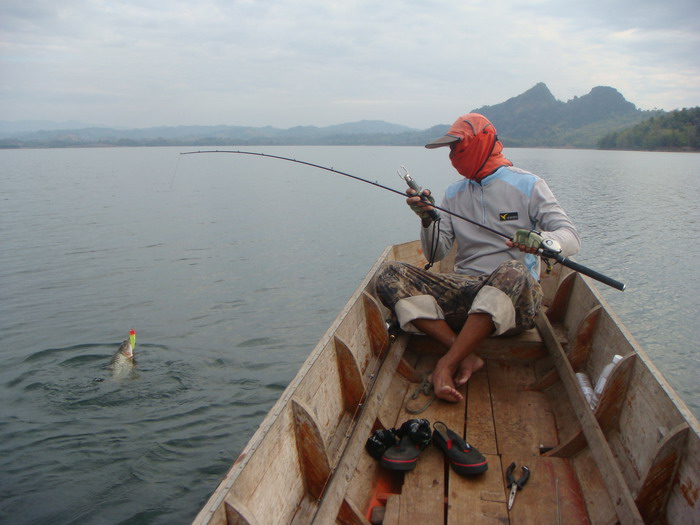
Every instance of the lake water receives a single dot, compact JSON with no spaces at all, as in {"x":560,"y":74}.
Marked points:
{"x":230,"y":268}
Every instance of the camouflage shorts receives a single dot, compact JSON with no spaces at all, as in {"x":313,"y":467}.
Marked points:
{"x":455,"y":293}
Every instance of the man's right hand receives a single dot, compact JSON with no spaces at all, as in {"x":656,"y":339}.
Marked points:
{"x":419,"y":206}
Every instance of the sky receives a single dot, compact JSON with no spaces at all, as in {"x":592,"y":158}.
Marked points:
{"x":283,"y":63}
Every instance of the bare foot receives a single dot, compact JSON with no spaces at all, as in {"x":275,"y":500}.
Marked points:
{"x":467,"y":367}
{"x":443,"y":384}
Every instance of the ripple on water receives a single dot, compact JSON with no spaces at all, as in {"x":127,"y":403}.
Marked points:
{"x":236,"y":310}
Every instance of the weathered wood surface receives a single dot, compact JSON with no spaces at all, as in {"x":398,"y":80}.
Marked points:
{"x":338,"y":485}
{"x":635,"y":457}
{"x":614,"y":480}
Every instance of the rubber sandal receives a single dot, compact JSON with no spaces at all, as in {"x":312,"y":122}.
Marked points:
{"x":380,"y":441}
{"x":415,"y":436}
{"x":403,"y":456}
{"x":464,"y":458}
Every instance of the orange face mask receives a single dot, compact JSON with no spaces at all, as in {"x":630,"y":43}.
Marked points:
{"x":479,"y":152}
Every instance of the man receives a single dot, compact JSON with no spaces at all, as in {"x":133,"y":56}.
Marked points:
{"x":495,"y":288}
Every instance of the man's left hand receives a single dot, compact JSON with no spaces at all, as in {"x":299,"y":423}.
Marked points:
{"x":526,"y":241}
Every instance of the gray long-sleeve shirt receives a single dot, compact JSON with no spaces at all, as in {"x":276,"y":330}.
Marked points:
{"x":507,"y":200}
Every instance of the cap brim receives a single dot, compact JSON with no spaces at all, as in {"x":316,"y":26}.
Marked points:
{"x":445,"y":140}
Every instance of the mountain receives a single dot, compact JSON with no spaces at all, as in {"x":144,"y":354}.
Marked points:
{"x":534,"y":118}
{"x":9,"y":127}
{"x":362,"y":132}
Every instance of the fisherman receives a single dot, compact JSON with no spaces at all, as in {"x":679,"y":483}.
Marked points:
{"x":495,"y":288}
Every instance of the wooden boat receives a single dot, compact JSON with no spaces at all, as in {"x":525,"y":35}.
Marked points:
{"x":635,"y":458}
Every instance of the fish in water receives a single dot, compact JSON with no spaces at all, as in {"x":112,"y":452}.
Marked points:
{"x":122,"y":363}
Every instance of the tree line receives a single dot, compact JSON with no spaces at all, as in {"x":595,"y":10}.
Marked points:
{"x":676,"y":130}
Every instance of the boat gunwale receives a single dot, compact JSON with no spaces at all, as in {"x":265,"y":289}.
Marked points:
{"x":643,"y":356}
{"x":222,"y":490}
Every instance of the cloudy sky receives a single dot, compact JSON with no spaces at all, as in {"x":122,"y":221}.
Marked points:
{"x":142,"y":63}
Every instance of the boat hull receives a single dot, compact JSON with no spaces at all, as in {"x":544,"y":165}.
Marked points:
{"x":634,"y":458}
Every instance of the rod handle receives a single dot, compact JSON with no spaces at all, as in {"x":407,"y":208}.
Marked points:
{"x":586,"y":271}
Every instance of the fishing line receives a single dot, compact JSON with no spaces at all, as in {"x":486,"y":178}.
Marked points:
{"x":332,"y":170}
{"x":172,"y":182}
{"x":542,"y":252}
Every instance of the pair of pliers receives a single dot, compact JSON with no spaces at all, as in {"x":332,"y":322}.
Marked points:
{"x":515,"y":485}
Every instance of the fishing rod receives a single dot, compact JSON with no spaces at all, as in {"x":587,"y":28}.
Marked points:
{"x":403,"y":175}
{"x":547,"y":252}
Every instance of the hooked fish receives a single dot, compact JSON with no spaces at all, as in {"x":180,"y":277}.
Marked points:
{"x":122,"y":363}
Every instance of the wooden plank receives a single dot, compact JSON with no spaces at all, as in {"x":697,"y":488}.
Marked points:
{"x":305,"y":511}
{"x":595,"y":493}
{"x":526,"y":346}
{"x":550,"y":281}
{"x":523,"y":418}
{"x":423,"y":491}
{"x":560,"y":302}
{"x":371,"y":484}
{"x":322,"y":393}
{"x":313,"y":457}
{"x":551,"y":495}
{"x":582,"y":301}
{"x":624,"y":503}
{"x":393,"y":507}
{"x":659,"y":479}
{"x":578,"y":350}
{"x":237,"y":513}
{"x":581,"y":345}
{"x":220,"y":516}
{"x":452,"y":414}
{"x":350,"y":515}
{"x":277,"y":464}
{"x":481,"y":431}
{"x":567,"y":422}
{"x":606,"y":412}
{"x":376,"y":328}
{"x":353,"y":332}
{"x":390,"y":411}
{"x":410,"y":252}
{"x":369,"y":480}
{"x":352,"y":385}
{"x":684,"y":501}
{"x":478,"y":500}
{"x":337,"y":487}
{"x":409,"y":372}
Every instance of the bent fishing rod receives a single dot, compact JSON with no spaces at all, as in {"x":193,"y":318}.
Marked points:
{"x":543,"y":252}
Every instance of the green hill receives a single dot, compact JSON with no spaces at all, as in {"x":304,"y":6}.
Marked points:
{"x":536,"y":119}
{"x":678,"y":131}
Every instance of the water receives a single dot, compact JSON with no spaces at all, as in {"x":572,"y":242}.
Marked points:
{"x":230,"y":269}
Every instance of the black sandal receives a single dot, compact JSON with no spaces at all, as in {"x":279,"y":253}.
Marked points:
{"x":465,"y":459}
{"x":414,"y":436}
{"x":380,"y":441}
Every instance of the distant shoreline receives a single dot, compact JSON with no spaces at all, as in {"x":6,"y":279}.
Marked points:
{"x":185,"y":145}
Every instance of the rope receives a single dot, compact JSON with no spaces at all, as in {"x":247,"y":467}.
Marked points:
{"x":425,"y":387}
